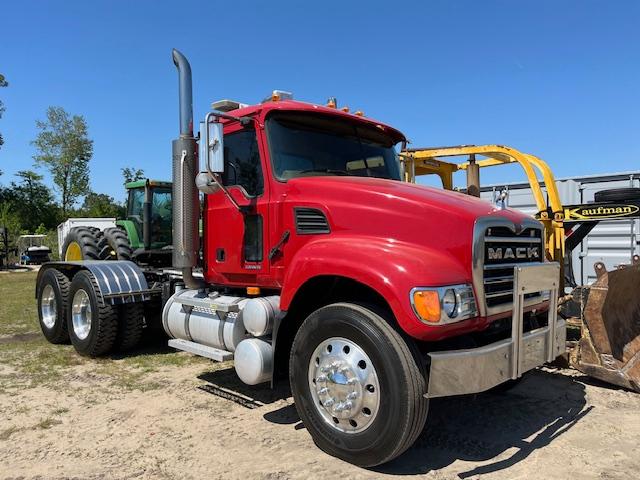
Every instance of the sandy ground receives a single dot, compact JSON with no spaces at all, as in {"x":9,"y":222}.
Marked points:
{"x":198,"y":421}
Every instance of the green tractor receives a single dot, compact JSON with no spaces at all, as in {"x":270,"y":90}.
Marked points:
{"x":144,"y":236}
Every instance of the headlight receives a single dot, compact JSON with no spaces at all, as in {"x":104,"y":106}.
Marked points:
{"x":449,"y":303}
{"x":441,"y":305}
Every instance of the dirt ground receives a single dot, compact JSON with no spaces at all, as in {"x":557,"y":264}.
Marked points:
{"x":161,"y":414}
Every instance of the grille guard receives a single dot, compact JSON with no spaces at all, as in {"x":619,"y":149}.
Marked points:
{"x":474,"y":370}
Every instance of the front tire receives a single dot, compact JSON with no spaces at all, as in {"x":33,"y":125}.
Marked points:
{"x":357,"y":384}
{"x":92,"y":325}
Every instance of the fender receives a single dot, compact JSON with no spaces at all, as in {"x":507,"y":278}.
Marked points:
{"x":396,"y":268}
{"x":119,"y":281}
{"x":132,"y":233}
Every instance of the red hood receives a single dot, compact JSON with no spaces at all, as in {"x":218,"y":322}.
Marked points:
{"x":380,"y":195}
{"x":398,"y":211}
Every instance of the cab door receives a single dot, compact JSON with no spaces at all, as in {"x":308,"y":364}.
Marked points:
{"x":236,"y":241}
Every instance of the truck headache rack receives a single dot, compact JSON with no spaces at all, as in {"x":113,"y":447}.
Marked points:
{"x":475,"y":370}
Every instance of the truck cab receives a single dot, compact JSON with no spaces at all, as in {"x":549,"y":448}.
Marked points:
{"x":315,"y":261}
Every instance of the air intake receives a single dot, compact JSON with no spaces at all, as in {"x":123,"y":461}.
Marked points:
{"x":310,"y":221}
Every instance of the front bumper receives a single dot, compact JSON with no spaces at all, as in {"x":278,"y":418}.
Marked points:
{"x":473,"y":370}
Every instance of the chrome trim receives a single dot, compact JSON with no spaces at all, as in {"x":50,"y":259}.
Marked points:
{"x":444,"y":318}
{"x":477,"y":262}
{"x":511,"y":239}
{"x":497,"y":280}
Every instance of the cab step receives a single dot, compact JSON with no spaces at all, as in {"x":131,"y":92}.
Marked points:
{"x":213,"y":353}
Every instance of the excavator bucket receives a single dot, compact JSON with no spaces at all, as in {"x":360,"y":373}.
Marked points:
{"x":609,"y":344}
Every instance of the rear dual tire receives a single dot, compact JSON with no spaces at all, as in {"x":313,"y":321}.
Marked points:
{"x":52,"y":294}
{"x":97,"y":328}
{"x":92,"y":325}
{"x":358,"y":385}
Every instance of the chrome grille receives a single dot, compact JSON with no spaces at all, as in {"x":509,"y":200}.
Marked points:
{"x":503,"y":250}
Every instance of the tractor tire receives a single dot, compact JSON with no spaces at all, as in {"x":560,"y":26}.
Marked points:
{"x":82,"y":244}
{"x":617,"y":195}
{"x":357,"y":384}
{"x":130,"y":325}
{"x":92,"y":325}
{"x":53,"y":295}
{"x":114,"y":245}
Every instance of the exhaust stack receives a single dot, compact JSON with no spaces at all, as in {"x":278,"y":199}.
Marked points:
{"x":186,"y":201}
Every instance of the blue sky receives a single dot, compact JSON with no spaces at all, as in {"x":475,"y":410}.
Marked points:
{"x":560,"y":79}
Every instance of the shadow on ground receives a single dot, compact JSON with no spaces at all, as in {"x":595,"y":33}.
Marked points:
{"x":152,"y":343}
{"x":481,"y":427}
{"x":473,"y":428}
{"x":226,"y":384}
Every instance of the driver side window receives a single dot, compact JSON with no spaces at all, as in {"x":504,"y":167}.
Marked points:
{"x":242,"y":165}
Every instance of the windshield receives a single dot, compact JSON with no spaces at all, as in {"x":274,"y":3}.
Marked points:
{"x":303,"y":145}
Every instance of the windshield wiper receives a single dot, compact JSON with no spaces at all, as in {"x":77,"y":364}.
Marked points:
{"x":326,"y":170}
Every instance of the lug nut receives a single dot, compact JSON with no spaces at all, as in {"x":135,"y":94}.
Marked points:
{"x":329,"y":403}
{"x":323,"y":391}
{"x":321,"y":379}
{"x":352,"y":396}
{"x":343,"y":406}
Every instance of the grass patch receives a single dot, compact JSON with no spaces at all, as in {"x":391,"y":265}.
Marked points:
{"x":47,"y":423}
{"x":18,"y":313}
{"x":36,"y":362}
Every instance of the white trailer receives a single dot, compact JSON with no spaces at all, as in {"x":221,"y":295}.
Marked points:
{"x":66,"y":226}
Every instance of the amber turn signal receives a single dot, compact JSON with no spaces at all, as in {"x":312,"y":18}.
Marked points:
{"x":427,"y":305}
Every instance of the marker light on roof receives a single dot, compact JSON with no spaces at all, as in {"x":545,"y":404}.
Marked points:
{"x":332,"y":102}
{"x":278,"y":95}
{"x":359,"y":113}
{"x":345,"y":109}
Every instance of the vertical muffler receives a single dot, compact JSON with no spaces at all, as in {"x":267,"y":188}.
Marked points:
{"x":186,"y":201}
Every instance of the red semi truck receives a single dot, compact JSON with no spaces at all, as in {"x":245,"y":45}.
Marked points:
{"x":373,"y":295}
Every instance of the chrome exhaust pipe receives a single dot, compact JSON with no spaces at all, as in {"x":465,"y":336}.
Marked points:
{"x":186,"y":200}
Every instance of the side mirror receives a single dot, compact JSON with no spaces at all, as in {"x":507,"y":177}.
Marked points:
{"x":212,"y":146}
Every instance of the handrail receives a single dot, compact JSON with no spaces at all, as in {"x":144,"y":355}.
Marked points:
{"x":428,"y":161}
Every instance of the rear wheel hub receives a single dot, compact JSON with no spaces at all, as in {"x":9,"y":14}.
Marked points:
{"x":48,"y":307}
{"x":81,"y":314}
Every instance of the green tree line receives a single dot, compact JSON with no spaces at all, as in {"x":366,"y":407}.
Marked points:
{"x":63,"y":149}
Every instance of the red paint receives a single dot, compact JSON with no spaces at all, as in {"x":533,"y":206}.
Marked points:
{"x":389,"y":235}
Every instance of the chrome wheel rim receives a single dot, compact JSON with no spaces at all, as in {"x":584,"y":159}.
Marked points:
{"x":48,"y":307}
{"x":81,"y":314}
{"x":344,"y":385}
